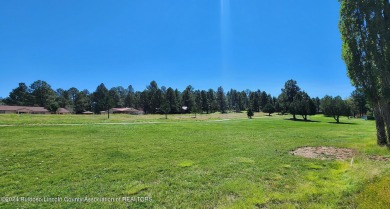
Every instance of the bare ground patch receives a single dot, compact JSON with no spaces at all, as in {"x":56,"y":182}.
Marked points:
{"x":331,"y":153}
{"x":324,"y":153}
{"x":378,"y":157}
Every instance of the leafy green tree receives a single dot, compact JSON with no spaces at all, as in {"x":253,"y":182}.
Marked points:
{"x":20,"y":96}
{"x":303,"y":105}
{"x":287,"y":97}
{"x":334,"y":107}
{"x":269,"y":108}
{"x":365,"y":32}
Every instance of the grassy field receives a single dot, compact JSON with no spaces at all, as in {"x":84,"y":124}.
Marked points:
{"x":212,"y":161}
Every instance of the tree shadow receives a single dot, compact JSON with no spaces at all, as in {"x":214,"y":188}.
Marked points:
{"x":301,"y":120}
{"x":342,"y":123}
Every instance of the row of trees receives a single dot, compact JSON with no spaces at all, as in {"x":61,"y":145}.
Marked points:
{"x":152,"y":100}
{"x":365,"y":32}
{"x":162,"y":100}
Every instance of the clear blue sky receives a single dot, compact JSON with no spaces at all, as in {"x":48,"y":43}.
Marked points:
{"x":246,"y":44}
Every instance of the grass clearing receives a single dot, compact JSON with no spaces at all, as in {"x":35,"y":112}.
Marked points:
{"x":207,"y":162}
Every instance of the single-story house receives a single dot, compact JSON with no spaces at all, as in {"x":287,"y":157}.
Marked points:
{"x":23,"y":110}
{"x":63,"y":111}
{"x":87,"y":113}
{"x":126,"y":110}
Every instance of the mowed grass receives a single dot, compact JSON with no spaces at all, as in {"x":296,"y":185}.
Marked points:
{"x":28,"y":119}
{"x":189,"y":163}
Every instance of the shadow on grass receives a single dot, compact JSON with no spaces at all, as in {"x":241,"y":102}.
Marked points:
{"x":301,"y":120}
{"x":343,"y":123}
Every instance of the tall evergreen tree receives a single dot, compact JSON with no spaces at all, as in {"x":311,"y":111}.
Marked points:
{"x":43,"y":95}
{"x":221,"y":100}
{"x":63,"y":98}
{"x":130,"y":99}
{"x":263,"y":99}
{"x":82,"y":102}
{"x":145,"y":102}
{"x":171,"y":101}
{"x":212,"y":101}
{"x":289,"y":91}
{"x":243,"y":101}
{"x":255,"y":100}
{"x":178,"y":100}
{"x":188,"y":99}
{"x":19,"y":96}
{"x":101,"y":99}
{"x":72,"y":96}
{"x":269,"y":108}
{"x":205,"y":103}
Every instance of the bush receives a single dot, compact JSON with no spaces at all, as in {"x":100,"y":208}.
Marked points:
{"x":250,"y":113}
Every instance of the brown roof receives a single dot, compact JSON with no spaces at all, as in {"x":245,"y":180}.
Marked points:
{"x":62,"y":110}
{"x":87,"y":112}
{"x":23,"y":108}
{"x":126,"y":109}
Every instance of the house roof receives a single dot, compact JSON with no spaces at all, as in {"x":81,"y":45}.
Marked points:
{"x":87,"y":112}
{"x":62,"y":110}
{"x":126,"y":109}
{"x":23,"y":108}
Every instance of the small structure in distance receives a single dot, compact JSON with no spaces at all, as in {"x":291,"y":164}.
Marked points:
{"x":23,"y":110}
{"x":63,"y":111}
{"x":126,"y":110}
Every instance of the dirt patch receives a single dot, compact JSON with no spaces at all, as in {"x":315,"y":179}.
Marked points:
{"x":331,"y":153}
{"x":379,"y":158}
{"x":324,"y":153}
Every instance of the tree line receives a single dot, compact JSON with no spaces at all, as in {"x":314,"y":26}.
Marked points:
{"x":162,"y":100}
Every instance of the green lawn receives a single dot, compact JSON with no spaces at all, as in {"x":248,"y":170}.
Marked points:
{"x":214,"y":161}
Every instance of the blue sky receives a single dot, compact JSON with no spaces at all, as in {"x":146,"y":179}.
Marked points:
{"x":248,"y":44}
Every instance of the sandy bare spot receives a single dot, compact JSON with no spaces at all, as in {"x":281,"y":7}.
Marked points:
{"x":324,"y":153}
{"x":330,"y":153}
